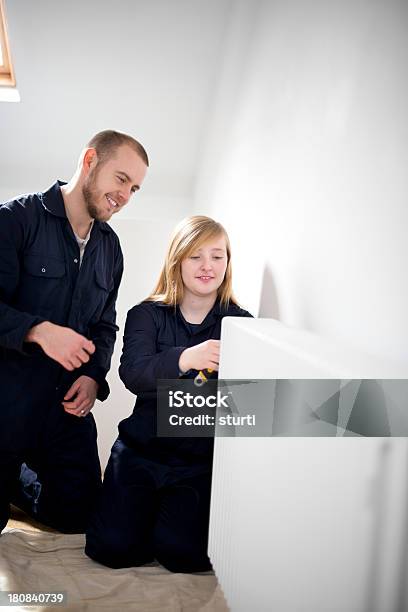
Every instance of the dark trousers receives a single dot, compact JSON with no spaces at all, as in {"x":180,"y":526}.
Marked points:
{"x":9,"y":474}
{"x":142,"y":516}
{"x":64,"y":458}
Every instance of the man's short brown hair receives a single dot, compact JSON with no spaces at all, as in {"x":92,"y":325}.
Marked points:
{"x":105,"y":144}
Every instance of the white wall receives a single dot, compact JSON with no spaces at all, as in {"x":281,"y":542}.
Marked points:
{"x":306,"y":165}
{"x":146,"y":68}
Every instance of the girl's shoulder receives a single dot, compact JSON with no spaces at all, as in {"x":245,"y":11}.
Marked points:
{"x":234,"y":310}
{"x":152,"y":309}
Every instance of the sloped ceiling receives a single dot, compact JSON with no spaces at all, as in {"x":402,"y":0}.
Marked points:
{"x":145,"y":67}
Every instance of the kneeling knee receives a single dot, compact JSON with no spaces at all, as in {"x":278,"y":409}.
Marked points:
{"x":112,"y":550}
{"x":106,"y":549}
{"x":179,"y":559}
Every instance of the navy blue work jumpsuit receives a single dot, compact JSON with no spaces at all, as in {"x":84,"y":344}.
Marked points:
{"x":156,"y":493}
{"x":41,"y":280}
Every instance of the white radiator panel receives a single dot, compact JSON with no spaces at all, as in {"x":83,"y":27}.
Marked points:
{"x":307,"y":524}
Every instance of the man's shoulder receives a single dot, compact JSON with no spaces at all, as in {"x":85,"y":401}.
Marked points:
{"x":32,"y":202}
{"x":23,"y":207}
{"x":23,"y":202}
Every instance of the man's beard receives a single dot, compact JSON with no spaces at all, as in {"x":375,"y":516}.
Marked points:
{"x":90,"y":194}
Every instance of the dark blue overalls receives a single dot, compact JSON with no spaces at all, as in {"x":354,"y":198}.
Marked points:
{"x":41,"y":280}
{"x":155,"y":498}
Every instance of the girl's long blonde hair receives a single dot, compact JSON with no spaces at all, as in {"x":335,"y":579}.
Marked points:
{"x":189,"y":235}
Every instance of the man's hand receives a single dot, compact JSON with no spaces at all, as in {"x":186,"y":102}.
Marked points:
{"x":62,"y":344}
{"x":84,"y":392}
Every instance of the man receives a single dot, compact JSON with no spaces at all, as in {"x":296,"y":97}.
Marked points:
{"x":60,"y":270}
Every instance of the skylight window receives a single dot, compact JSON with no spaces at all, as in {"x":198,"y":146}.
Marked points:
{"x":6,"y":67}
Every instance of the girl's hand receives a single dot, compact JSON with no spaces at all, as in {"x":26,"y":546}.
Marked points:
{"x":203,"y":356}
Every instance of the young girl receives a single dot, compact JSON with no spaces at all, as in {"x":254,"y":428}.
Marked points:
{"x":156,"y":492}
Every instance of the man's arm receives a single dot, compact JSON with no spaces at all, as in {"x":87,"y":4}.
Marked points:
{"x":16,"y":327}
{"x":103,"y":335}
{"x":14,"y":324}
{"x":62,"y":344}
{"x":80,"y":398}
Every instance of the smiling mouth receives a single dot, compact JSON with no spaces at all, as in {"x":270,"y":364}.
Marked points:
{"x":205,"y":278}
{"x":112,"y":204}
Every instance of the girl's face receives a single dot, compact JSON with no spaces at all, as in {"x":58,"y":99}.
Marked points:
{"x":204,"y":270}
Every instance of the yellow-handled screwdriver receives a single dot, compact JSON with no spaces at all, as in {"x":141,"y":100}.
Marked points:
{"x":201,"y":377}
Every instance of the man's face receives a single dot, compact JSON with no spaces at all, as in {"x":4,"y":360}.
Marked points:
{"x":109,"y":186}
